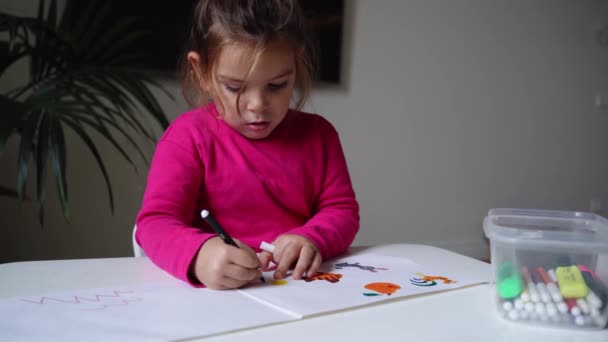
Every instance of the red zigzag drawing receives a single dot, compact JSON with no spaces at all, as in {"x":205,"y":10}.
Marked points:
{"x":80,"y":299}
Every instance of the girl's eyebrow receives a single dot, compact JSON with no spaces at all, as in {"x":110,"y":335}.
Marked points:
{"x":283,"y":74}
{"x":237,"y":80}
{"x":228,"y":78}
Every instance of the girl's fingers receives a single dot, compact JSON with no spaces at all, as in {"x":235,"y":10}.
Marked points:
{"x":265,"y":259}
{"x":239,"y":273}
{"x":315,"y":265}
{"x":244,"y":257}
{"x":230,"y":283}
{"x":307,"y":255}
{"x":287,"y":258}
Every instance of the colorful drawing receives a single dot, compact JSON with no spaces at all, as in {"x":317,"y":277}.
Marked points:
{"x":330,"y":277}
{"x":98,"y":301}
{"x":383,"y":288}
{"x":278,"y":282}
{"x":426,"y":280}
{"x":365,"y":268}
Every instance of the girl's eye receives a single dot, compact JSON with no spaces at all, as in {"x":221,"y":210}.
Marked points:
{"x":232,"y":89}
{"x":277,"y":86}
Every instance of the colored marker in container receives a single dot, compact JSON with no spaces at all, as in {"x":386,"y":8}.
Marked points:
{"x":598,"y":294}
{"x":541,"y":311}
{"x":572,"y":307}
{"x":561,"y":305}
{"x":551,"y":287}
{"x":509,"y":282}
{"x":507,"y":305}
{"x":552,"y":275}
{"x":513,"y":315}
{"x":543,"y":292}
{"x":584,"y":306}
{"x":525,"y":296}
{"x":529,"y":307}
{"x":534,"y":298}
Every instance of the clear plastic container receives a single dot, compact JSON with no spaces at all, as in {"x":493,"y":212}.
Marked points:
{"x":550,"y":267}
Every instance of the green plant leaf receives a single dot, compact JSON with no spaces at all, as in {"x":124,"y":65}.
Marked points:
{"x":41,"y":164}
{"x":51,"y":18}
{"x":106,"y":40}
{"x":67,"y":17}
{"x":94,"y":29}
{"x":127,"y":105}
{"x":58,"y":159}
{"x":25,"y":149}
{"x":89,"y":142}
{"x":76,"y":24}
{"x":124,"y":105}
{"x":36,"y":63}
{"x":119,"y":46}
{"x":90,"y":100}
{"x":141,"y":92}
{"x":74,"y":82}
{"x":85,"y":103}
{"x":106,"y":134}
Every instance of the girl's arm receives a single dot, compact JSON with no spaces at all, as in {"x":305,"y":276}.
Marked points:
{"x":165,"y":222}
{"x":335,"y":220}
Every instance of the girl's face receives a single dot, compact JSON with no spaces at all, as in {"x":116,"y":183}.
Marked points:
{"x":265,"y":98}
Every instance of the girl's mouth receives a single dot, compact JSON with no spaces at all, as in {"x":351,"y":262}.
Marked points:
{"x":258,"y":126}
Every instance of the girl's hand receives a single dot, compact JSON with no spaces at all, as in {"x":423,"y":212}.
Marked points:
{"x":290,"y":248}
{"x":220,"y":266}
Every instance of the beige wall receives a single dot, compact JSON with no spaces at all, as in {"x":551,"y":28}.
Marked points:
{"x":449,"y":108}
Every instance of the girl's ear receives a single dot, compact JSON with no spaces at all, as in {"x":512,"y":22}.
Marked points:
{"x":195,"y":63}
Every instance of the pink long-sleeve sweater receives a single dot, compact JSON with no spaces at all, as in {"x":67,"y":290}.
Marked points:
{"x":295,"y":181}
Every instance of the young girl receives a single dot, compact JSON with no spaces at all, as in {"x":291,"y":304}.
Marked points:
{"x":264,"y":171}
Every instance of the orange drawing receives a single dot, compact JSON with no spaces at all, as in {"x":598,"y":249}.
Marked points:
{"x":383,"y":288}
{"x":330,"y":277}
{"x":427,"y":280}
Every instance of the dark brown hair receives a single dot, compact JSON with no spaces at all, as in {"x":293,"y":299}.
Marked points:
{"x":255,"y":22}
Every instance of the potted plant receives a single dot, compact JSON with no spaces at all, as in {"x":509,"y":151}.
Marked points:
{"x":75,"y":82}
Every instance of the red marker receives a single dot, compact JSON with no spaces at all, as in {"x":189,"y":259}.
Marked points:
{"x":551,"y":287}
{"x":531,"y":287}
{"x":575,"y":310}
{"x":543,"y":292}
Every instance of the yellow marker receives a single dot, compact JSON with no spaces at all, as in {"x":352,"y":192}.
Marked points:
{"x":278,"y":282}
{"x":571,"y":282}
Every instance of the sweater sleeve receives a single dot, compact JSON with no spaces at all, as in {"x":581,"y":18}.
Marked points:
{"x":335,"y":220}
{"x":164,"y":223}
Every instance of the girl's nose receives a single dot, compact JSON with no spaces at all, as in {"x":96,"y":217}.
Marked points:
{"x":256,"y":102}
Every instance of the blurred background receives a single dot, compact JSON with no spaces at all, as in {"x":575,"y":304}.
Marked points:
{"x":446,"y":109}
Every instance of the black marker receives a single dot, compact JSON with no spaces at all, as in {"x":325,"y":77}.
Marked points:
{"x":221,"y":232}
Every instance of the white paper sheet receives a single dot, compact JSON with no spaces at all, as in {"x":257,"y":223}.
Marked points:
{"x":301,"y":298}
{"x":138,"y":313}
{"x":175,"y":310}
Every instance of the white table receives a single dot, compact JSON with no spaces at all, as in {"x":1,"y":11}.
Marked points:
{"x":466,"y":314}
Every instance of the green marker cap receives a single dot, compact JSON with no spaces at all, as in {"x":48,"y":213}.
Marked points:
{"x":509,"y":282}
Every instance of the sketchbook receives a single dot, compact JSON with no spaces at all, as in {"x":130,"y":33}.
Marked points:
{"x":174,"y":310}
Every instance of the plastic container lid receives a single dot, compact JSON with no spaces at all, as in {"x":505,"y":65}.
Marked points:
{"x":537,"y":228}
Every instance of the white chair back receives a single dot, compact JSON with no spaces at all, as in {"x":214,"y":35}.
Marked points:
{"x":137,"y":250}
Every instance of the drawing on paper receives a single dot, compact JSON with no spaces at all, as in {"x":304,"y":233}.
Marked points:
{"x":427,"y":280}
{"x":97,"y":302}
{"x":382,"y":288}
{"x":330,"y":277}
{"x":356,"y":264}
{"x":278,"y":282}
